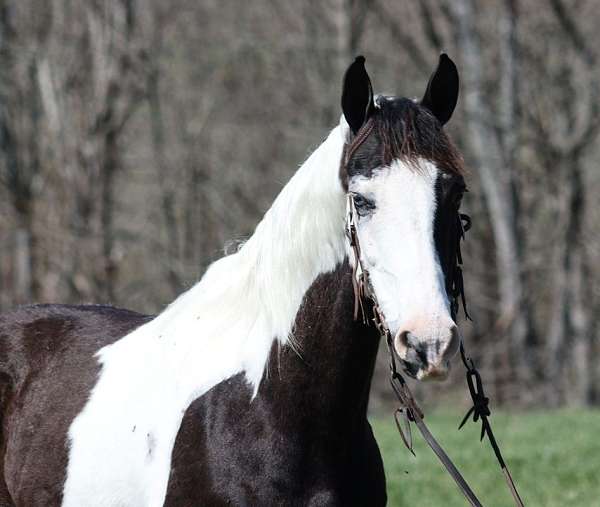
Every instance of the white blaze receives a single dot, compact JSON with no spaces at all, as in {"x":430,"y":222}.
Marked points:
{"x":398,"y":249}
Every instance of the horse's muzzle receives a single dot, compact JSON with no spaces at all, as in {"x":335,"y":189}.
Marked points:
{"x":427,"y":359}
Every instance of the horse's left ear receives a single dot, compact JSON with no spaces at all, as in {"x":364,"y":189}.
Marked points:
{"x":442,"y":90}
{"x":357,"y":95}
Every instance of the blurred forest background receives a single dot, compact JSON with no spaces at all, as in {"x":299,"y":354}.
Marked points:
{"x":138,"y":138}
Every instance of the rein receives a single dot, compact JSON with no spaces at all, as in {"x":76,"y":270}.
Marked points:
{"x":409,"y":411}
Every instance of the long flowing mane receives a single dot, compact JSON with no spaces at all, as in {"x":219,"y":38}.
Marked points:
{"x":250,"y":298}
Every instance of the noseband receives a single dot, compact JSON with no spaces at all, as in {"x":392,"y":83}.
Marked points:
{"x":409,"y":411}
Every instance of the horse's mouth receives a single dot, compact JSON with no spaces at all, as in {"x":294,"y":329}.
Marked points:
{"x":417,"y":372}
{"x":411,"y":369}
{"x":408,"y":368}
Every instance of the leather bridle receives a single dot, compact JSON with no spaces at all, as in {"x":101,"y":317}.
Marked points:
{"x":409,"y":411}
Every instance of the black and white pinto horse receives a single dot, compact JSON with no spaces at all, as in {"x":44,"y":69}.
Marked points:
{"x":252,"y":387}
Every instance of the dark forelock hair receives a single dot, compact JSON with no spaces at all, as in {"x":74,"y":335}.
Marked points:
{"x":403,"y":130}
{"x":408,"y":131}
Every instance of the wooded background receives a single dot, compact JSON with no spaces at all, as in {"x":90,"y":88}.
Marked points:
{"x":139,"y":138}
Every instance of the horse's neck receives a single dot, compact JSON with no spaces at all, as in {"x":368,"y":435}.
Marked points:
{"x":246,"y":302}
{"x":326,"y":375}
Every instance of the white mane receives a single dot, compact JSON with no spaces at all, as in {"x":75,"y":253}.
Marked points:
{"x":224,"y":325}
{"x":250,"y":298}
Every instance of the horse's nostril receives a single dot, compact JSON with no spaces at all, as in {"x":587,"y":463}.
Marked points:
{"x":401,"y":344}
{"x":407,"y":348}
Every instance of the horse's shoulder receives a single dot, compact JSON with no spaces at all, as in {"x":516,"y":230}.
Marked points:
{"x":48,"y":365}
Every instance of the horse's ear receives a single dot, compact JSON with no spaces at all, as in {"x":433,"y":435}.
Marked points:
{"x":357,"y":95}
{"x":442,"y":90}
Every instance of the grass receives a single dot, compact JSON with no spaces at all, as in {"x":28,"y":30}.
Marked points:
{"x":554,"y":458}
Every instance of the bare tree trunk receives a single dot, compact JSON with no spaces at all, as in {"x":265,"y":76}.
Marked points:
{"x":121,"y":100}
{"x":22,"y":267}
{"x":578,"y":322}
{"x":19,"y":146}
{"x":109,"y":169}
{"x":593,"y":378}
{"x":399,"y":34}
{"x":497,"y":176}
{"x":341,"y":14}
{"x":199,"y":221}
{"x":571,"y":371}
{"x":167,"y":193}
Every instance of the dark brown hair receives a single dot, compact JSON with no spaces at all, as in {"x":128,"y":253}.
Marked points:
{"x":402,"y":130}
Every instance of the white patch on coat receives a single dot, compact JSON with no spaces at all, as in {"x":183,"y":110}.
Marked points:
{"x":398,"y":250}
{"x":121,"y":442}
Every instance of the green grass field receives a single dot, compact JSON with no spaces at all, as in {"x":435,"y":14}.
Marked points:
{"x":554,"y":458}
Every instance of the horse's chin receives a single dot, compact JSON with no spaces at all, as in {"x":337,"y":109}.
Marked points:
{"x":425,"y":375}
{"x":433,"y":375}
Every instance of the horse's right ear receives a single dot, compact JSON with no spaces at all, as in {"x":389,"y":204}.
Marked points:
{"x":442,"y":90}
{"x":357,"y":95}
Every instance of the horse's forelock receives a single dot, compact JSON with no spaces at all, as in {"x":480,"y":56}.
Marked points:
{"x":404,"y":130}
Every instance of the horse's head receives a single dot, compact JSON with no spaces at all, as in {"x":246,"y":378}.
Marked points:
{"x":405,"y":176}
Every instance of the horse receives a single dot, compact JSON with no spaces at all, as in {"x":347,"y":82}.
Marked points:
{"x":252,"y":387}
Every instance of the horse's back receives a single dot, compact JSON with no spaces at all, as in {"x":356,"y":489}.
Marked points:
{"x":47,"y":369}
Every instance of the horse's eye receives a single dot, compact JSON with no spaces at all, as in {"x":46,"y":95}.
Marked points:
{"x":363,"y":205}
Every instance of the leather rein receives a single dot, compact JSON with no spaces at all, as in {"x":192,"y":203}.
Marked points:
{"x":409,"y":411}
